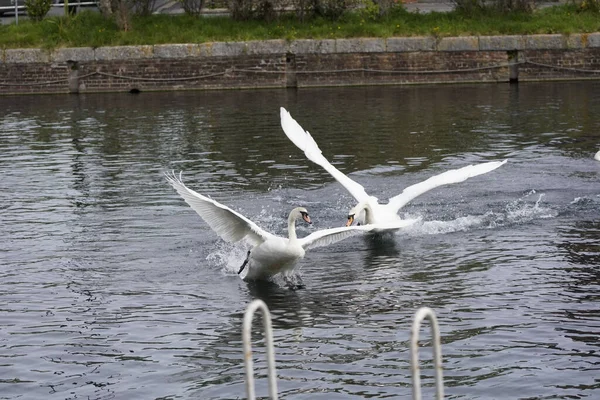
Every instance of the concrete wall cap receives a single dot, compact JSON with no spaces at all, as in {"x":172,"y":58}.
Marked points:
{"x":26,"y":56}
{"x":543,"y":42}
{"x":310,"y":46}
{"x":171,"y":51}
{"x":228,"y":49}
{"x":73,"y":54}
{"x":592,"y":39}
{"x":368,"y":45}
{"x":575,"y":41}
{"x":259,"y":47}
{"x":501,"y":43}
{"x":124,"y":52}
{"x":417,"y":43}
{"x":460,"y":43}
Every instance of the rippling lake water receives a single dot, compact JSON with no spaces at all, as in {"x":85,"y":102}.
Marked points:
{"x":111,"y":287}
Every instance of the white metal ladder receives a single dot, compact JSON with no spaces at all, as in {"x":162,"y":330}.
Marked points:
{"x":247,"y":341}
{"x":420,"y":315}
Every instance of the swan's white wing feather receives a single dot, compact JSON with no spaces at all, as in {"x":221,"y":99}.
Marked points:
{"x":445,"y":178}
{"x":304,"y":141}
{"x":325,"y":237}
{"x":228,"y":224}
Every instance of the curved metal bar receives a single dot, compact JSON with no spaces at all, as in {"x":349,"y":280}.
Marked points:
{"x":421,"y":314}
{"x":247,"y":340}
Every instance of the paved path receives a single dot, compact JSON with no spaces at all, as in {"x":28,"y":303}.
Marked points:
{"x":423,"y":6}
{"x":173,"y":7}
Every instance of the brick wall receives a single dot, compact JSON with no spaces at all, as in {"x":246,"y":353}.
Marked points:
{"x":564,"y":64}
{"x":301,"y":63}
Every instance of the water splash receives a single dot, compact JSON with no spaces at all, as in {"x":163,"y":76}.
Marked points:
{"x":456,"y":225}
{"x":585,"y":200}
{"x":227,"y":257}
{"x":520,"y":211}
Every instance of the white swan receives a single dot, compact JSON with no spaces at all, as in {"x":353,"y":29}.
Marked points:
{"x":270,"y":254}
{"x":597,"y":156}
{"x":368,"y":210}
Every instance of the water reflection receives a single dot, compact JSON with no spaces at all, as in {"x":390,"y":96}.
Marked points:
{"x":381,"y":246}
{"x":284,"y":303}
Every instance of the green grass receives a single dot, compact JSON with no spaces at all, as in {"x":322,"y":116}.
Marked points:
{"x":91,"y":29}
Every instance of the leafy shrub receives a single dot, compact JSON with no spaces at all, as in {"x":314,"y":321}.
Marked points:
{"x":588,"y":5}
{"x":328,"y":9}
{"x":369,"y":10}
{"x":507,"y":6}
{"x":242,"y":10}
{"x":192,"y":7}
{"x":479,"y":7}
{"x":143,"y":7}
{"x":469,"y":7}
{"x":332,"y":9}
{"x":37,"y":9}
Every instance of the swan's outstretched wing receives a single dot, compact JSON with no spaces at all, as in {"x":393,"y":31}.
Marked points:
{"x":452,"y":176}
{"x":307,"y":144}
{"x":228,"y":224}
{"x":325,"y":237}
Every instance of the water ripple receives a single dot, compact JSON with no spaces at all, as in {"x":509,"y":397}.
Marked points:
{"x":111,"y":287}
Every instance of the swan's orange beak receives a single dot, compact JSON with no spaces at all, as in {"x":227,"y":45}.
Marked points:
{"x":350,"y":220}
{"x":306,"y":218}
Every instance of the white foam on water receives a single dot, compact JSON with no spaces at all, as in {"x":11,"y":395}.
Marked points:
{"x":585,"y":200}
{"x":520,"y":211}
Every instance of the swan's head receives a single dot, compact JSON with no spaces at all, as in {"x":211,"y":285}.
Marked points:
{"x":300,"y":213}
{"x":357,"y":213}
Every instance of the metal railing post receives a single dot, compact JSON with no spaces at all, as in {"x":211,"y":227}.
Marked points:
{"x":421,"y":314}
{"x":247,"y":341}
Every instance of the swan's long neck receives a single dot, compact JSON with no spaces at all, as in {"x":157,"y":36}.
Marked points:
{"x":366,"y":207}
{"x":292,"y":227}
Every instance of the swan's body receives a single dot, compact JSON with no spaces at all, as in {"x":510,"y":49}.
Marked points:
{"x":270,"y":254}
{"x":368,"y":210}
{"x":597,"y":156}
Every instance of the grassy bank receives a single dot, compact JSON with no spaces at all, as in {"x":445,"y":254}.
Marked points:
{"x":91,"y":29}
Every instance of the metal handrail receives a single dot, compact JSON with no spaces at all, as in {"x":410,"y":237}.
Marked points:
{"x":71,"y":3}
{"x":421,"y":314}
{"x":247,"y":341}
{"x":76,"y":3}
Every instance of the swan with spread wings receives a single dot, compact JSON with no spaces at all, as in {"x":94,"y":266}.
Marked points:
{"x":270,"y":254}
{"x":382,"y":217}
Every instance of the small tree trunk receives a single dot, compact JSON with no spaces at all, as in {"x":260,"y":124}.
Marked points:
{"x":105,"y":7}
{"x":117,"y":9}
{"x":122,"y":15}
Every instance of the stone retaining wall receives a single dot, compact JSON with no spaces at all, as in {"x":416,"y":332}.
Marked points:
{"x":301,"y":63}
